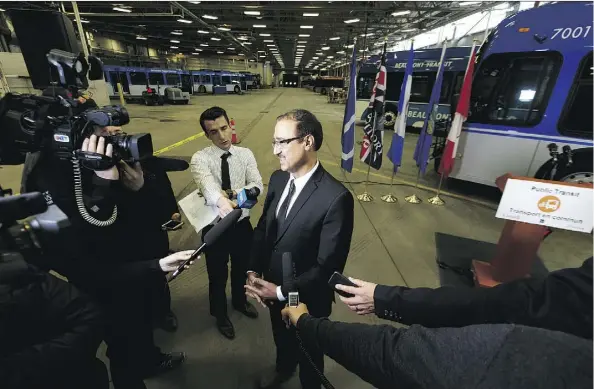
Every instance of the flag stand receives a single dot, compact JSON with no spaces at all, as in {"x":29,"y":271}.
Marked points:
{"x":436,"y":200}
{"x":390,"y":198}
{"x":414,"y":199}
{"x":365,"y":197}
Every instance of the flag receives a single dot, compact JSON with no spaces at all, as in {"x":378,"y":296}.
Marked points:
{"x":423,"y":147}
{"x":372,"y":147}
{"x":348,"y":123}
{"x":449,"y":153}
{"x":397,"y":147}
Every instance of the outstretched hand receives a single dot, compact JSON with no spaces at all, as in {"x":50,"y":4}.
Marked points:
{"x":175,"y":260}
{"x":362,"y":302}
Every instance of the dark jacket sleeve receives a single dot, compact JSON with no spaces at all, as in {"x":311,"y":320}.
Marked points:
{"x":335,"y":243}
{"x":77,"y":332}
{"x":561,"y":302}
{"x":417,"y":357}
{"x":258,"y":256}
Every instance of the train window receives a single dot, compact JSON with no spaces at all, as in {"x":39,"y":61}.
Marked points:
{"x":226,"y":80}
{"x":422,"y":83}
{"x":172,"y":78}
{"x":393,"y":85}
{"x":576,"y":119}
{"x":365,"y":85}
{"x":514,"y":88}
{"x":156,"y":78}
{"x":138,"y":78}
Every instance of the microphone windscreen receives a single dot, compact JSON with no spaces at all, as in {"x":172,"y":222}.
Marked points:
{"x":167,"y":164}
{"x":223,"y":225}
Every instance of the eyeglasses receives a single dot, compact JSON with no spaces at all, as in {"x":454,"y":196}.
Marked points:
{"x":284,"y":142}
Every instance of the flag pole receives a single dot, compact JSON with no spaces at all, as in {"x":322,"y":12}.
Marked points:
{"x":390,"y":198}
{"x":436,"y":200}
{"x":414,"y":199}
{"x":365,"y":196}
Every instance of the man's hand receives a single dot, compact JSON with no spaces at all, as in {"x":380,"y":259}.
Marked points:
{"x":362,"y":303}
{"x":294,"y":313}
{"x":94,"y":145}
{"x":173,"y":261}
{"x":225,"y":206}
{"x":250,"y":282}
{"x":132,"y":178}
{"x":263,"y":289}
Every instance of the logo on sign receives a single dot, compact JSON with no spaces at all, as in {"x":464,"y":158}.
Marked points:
{"x":549,"y":204}
{"x":61,"y":138}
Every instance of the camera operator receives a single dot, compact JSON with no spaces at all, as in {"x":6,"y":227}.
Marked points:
{"x":115,"y":260}
{"x":504,"y":356}
{"x":49,"y":332}
{"x":560,"y":302}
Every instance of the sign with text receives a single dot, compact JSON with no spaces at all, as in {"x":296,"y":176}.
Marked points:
{"x":548,"y":204}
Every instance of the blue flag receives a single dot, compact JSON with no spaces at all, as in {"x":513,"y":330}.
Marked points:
{"x":397,"y":146}
{"x":348,"y":125}
{"x":426,"y":137}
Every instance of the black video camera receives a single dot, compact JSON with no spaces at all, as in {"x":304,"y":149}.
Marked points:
{"x":41,"y":223}
{"x":58,"y":122}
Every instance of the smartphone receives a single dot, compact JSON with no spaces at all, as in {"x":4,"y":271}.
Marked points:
{"x":172,"y":225}
{"x":338,"y":278}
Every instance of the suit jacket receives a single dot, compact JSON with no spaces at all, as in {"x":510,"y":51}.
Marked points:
{"x":317,"y":232}
{"x":560,"y":302}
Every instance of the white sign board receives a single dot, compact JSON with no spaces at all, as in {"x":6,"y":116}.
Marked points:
{"x":552,"y":205}
{"x":196,"y":211}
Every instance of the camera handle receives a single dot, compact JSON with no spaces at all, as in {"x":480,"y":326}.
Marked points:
{"x":80,"y":204}
{"x":94,"y":161}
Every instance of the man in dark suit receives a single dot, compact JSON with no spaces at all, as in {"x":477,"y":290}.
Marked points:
{"x":309,"y":214}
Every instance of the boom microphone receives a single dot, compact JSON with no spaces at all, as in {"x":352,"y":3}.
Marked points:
{"x":247,"y":198}
{"x":210,"y":238}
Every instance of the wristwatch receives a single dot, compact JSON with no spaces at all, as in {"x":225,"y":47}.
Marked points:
{"x":229,"y":193}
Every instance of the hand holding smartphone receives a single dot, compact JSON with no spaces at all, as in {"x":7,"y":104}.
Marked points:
{"x":338,"y":278}
{"x":172,"y":225}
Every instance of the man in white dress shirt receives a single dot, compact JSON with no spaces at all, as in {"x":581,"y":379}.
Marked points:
{"x":220,"y":172}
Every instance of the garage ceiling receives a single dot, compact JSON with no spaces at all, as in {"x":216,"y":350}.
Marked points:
{"x":289,"y":34}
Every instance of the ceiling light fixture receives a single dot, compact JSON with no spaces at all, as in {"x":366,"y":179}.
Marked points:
{"x":310,"y":14}
{"x":304,"y":35}
{"x":304,"y":27}
{"x":351,"y":21}
{"x":194,"y":2}
{"x":184,"y":21}
{"x":247,"y":43}
{"x":220,"y":52}
{"x":210,"y":17}
{"x":271,"y":45}
{"x":174,"y":41}
{"x":215,"y":39}
{"x":264,"y":34}
{"x":326,"y":48}
{"x":224,"y":29}
{"x":197,"y":49}
{"x":259,"y":26}
{"x":203,"y":32}
{"x":400,"y":13}
{"x":409,"y":30}
{"x":242,"y":54}
{"x":301,"y":41}
{"x":252,"y":13}
{"x":122,"y":9}
{"x":465,"y":3}
{"x":340,"y":52}
{"x":334,"y":38}
{"x":268,"y":41}
{"x":174,"y":47}
{"x":177,"y":33}
{"x":204,"y":44}
{"x":141,"y":38}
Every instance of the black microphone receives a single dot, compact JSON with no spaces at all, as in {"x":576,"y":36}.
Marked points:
{"x":247,"y":198}
{"x":209,"y":238}
{"x":289,"y":279}
{"x":166,"y":164}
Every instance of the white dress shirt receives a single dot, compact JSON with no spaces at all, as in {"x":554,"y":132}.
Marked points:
{"x":299,"y":185}
{"x":243,"y":171}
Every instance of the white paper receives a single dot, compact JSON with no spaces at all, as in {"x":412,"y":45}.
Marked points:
{"x":553,"y":205}
{"x":196,"y":211}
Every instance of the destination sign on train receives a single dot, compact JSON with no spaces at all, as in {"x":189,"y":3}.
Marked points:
{"x":567,"y":207}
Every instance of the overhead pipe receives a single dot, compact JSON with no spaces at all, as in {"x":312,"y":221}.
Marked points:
{"x":229,"y":37}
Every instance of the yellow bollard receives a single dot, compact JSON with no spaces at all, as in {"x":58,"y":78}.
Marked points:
{"x":121,"y":93}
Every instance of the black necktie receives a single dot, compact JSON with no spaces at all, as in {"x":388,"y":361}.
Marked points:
{"x":225,"y":177}
{"x":282,"y":212}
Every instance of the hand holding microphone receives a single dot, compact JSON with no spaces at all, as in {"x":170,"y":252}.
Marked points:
{"x":173,"y":261}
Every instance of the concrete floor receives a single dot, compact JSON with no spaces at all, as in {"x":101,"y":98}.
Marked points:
{"x":392,"y":243}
